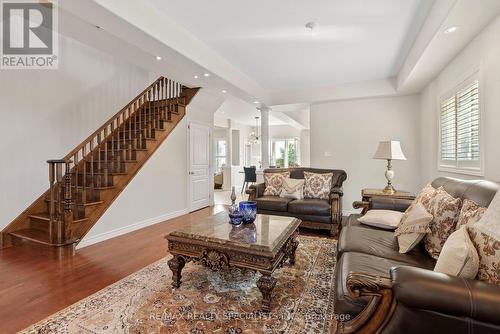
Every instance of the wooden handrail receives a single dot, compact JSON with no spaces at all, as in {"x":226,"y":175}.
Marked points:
{"x":112,"y":118}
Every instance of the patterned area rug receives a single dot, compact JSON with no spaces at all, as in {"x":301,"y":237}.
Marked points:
{"x":209,"y":302}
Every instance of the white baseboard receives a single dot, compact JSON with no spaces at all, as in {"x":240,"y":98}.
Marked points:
{"x":87,"y":241}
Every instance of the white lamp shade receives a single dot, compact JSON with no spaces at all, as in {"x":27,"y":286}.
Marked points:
{"x":389,"y":150}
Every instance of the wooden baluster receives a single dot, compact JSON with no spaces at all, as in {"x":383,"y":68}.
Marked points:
{"x":60,"y":219}
{"x":84,"y":183}
{"x":52,"y":200}
{"x":157,"y":104}
{"x":148,"y":115}
{"x":68,"y":202}
{"x":129,"y":142}
{"x":141,"y":125}
{"x":92,"y":181}
{"x":106,"y":161}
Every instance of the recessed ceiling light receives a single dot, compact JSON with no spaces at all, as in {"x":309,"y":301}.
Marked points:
{"x":311,"y":26}
{"x":158,"y":58}
{"x":256,"y":102}
{"x":451,"y":30}
{"x":196,"y":77}
{"x":224,"y":91}
{"x":206,"y":74}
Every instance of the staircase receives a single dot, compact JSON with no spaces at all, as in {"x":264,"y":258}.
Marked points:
{"x":87,"y":180}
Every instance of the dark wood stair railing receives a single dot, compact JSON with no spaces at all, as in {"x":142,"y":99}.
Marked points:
{"x":84,"y":183}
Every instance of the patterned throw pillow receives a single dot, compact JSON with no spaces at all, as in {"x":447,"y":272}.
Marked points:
{"x":488,"y":249}
{"x":424,"y":197}
{"x":445,"y":209}
{"x":274,"y":183}
{"x":470,"y":213}
{"x":317,"y":185}
{"x":293,"y":188}
{"x":485,"y":234}
{"x":413,"y":228}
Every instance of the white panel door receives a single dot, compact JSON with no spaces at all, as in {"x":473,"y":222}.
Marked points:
{"x":199,"y":166}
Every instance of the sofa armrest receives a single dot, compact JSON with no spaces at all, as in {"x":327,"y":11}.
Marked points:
{"x":335,"y":199}
{"x":428,"y":290}
{"x":382,"y":203}
{"x":256,"y":191}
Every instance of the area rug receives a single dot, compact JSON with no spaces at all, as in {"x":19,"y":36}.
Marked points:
{"x":209,"y":302}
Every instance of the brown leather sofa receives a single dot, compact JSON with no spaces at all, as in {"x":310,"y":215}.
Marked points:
{"x":383,"y":291}
{"x":314,"y":213}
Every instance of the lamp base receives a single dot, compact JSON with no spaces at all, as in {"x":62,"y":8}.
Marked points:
{"x":389,"y":189}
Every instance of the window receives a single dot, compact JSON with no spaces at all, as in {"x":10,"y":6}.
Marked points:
{"x":220,"y":154}
{"x":460,"y":117}
{"x":284,"y":152}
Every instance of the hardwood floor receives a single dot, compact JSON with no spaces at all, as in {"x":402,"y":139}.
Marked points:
{"x":34,"y":284}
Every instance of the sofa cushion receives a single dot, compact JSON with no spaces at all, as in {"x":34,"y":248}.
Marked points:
{"x":273,"y":203}
{"x":360,"y":263}
{"x":470,"y":213}
{"x":310,"y":206}
{"x":382,"y":244}
{"x":317,"y":185}
{"x":274,"y":183}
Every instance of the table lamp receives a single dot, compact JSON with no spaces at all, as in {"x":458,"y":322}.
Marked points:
{"x":389,"y":150}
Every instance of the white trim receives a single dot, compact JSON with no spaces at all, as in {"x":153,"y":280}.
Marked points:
{"x":87,"y":241}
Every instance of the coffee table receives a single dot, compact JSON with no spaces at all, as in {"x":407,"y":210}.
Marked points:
{"x":263,"y":246}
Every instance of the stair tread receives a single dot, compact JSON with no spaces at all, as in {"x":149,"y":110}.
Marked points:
{"x":83,"y":204}
{"x":45,"y":216}
{"x":33,"y":235}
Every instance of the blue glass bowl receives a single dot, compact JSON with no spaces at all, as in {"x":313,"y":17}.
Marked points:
{"x":236,"y":217}
{"x":249,"y":210}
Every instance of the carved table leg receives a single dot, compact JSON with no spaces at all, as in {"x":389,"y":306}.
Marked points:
{"x":176,"y":264}
{"x":293,"y":248}
{"x":266,"y":285}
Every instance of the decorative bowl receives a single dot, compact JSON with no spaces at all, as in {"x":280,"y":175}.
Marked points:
{"x":236,"y":217}
{"x":249,"y":210}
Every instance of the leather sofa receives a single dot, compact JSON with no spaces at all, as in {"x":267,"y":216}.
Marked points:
{"x":314,"y":213}
{"x":382,"y":291}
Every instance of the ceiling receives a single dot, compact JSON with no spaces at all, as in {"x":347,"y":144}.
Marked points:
{"x":355,"y":40}
{"x":242,"y":112}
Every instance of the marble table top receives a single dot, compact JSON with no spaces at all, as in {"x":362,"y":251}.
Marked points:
{"x":267,"y":234}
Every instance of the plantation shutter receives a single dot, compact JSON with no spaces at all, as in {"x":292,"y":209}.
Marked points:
{"x":468,"y":123}
{"x":459,"y":125}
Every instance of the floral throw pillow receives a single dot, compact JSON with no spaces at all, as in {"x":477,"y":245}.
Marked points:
{"x":274,"y":183}
{"x":445,"y":209}
{"x":488,"y":249}
{"x":424,"y":197}
{"x":470,"y":213}
{"x":317,"y":185}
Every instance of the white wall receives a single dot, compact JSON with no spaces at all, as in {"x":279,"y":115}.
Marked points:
{"x":305,"y":148}
{"x":345,"y":135}
{"x":484,"y":53}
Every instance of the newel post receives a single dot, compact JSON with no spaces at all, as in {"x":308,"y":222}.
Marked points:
{"x":60,"y":201}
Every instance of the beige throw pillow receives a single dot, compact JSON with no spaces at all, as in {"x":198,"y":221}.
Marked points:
{"x":470,"y":213}
{"x":293,"y":188}
{"x":317,"y":185}
{"x":445,"y":209}
{"x":458,"y":256}
{"x":413,"y":227}
{"x":384,"y":219}
{"x":274,"y":183}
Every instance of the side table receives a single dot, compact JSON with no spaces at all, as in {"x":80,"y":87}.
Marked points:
{"x":368,"y":193}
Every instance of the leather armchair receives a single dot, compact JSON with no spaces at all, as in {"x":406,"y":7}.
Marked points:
{"x":415,"y":300}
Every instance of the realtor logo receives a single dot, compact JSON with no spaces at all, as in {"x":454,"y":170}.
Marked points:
{"x":28,"y":35}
